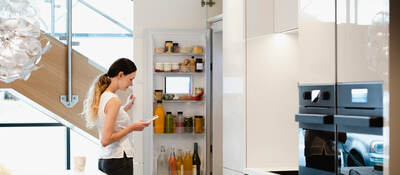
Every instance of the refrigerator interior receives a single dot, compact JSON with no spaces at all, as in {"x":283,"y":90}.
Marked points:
{"x":157,"y":81}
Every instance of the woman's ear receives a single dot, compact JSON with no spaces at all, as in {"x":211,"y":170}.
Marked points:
{"x":120,"y":74}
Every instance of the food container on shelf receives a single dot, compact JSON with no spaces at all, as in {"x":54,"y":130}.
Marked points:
{"x":158,"y":95}
{"x":198,"y":124}
{"x":168,"y":96}
{"x":159,"y":67}
{"x":188,"y":124}
{"x":197,"y":50}
{"x":175,"y":67}
{"x":160,"y":50}
{"x":185,"y":50}
{"x":167,"y":67}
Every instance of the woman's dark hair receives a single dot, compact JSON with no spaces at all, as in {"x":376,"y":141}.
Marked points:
{"x":100,"y":84}
{"x":124,"y":65}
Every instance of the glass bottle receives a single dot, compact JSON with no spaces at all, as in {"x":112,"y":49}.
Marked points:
{"x":196,"y":160}
{"x":179,"y":163}
{"x":172,"y":162}
{"x":179,"y":122}
{"x":159,"y":122}
{"x":187,"y":164}
{"x":192,"y":65}
{"x":169,"y":123}
{"x":162,"y":162}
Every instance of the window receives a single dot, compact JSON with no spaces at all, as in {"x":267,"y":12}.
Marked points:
{"x":36,"y":143}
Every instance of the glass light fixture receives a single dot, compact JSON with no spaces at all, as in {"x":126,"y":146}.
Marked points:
{"x":20,"y":49}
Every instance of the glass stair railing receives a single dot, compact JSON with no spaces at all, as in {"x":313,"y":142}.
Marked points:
{"x":101,"y":30}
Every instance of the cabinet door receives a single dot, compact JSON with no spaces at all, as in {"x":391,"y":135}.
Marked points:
{"x":285,"y":15}
{"x":259,"y":17}
{"x":362,"y":40}
{"x":317,"y":41}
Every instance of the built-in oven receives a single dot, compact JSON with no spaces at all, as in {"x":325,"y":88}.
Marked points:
{"x":360,"y":117}
{"x":317,"y":148}
{"x":341,"y":134}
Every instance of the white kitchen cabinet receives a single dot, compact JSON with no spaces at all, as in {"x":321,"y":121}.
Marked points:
{"x":362,"y":40}
{"x":259,"y":17}
{"x":285,"y":15}
{"x":317,"y":41}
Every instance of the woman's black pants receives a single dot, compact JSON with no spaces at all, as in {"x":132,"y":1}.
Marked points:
{"x":121,"y":166}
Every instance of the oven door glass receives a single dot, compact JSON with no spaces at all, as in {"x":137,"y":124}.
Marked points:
{"x":360,"y":150}
{"x":317,"y":152}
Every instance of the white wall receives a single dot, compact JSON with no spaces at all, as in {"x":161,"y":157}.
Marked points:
{"x":272,"y":102}
{"x":161,"y":14}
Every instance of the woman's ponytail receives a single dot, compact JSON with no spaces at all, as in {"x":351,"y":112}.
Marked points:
{"x":91,"y":103}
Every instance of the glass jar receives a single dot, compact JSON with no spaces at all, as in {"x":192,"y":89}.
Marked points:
{"x":199,"y":65}
{"x":168,"y":46}
{"x":175,"y":67}
{"x":197,"y":50}
{"x":175,"y":47}
{"x":188,"y":124}
{"x":167,"y":67}
{"x":198,"y":124}
{"x":169,"y":123}
{"x":159,"y":67}
{"x":158,"y":95}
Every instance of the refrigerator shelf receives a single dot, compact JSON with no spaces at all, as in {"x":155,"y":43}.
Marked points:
{"x":178,"y":73}
{"x":181,"y":134}
{"x":178,"y":54}
{"x":182,"y":101}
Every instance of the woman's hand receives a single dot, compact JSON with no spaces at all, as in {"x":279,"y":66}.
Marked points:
{"x":129,"y":102}
{"x":140,"y":125}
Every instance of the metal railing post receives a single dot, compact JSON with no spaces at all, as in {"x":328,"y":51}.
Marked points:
{"x":71,"y":100}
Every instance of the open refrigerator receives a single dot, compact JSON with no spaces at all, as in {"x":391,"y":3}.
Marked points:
{"x":180,"y":87}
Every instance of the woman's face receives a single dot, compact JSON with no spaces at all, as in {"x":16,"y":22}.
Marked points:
{"x":126,"y":80}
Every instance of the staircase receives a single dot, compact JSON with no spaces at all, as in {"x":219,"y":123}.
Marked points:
{"x":46,"y":85}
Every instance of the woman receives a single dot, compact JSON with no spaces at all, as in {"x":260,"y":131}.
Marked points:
{"x":102,"y":108}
